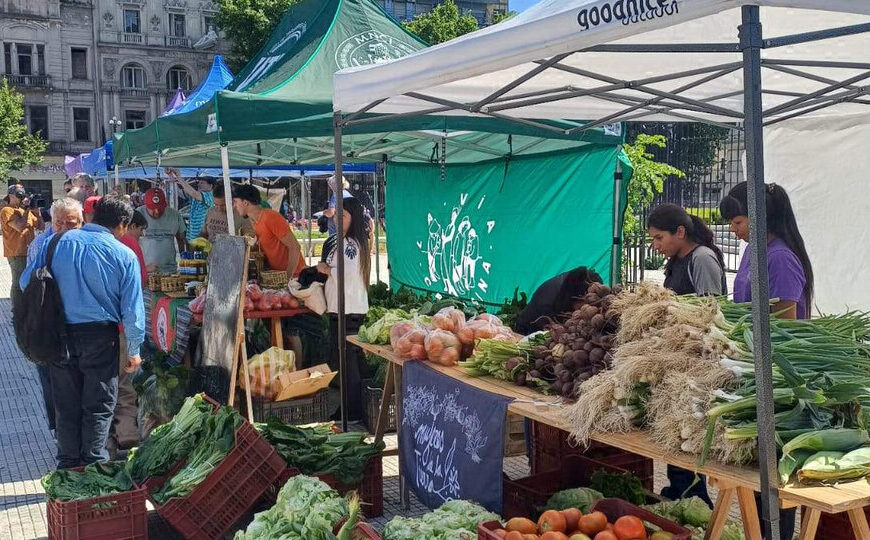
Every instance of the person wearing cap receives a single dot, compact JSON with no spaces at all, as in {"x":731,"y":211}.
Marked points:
{"x":19,"y":225}
{"x":274,"y":235}
{"x":88,"y":207}
{"x":201,"y":199}
{"x":165,"y":232}
{"x":329,"y":212}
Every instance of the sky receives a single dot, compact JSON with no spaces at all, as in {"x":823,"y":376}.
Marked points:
{"x":521,"y":5}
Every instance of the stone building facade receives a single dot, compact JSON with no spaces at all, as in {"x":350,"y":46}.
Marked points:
{"x":82,"y":63}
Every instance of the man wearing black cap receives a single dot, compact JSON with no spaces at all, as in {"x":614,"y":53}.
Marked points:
{"x":19,"y":225}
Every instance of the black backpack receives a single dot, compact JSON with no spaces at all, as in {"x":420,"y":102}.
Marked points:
{"x":39,"y":320}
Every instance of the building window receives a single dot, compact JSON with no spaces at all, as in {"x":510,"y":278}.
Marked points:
{"x":134,"y":119}
{"x":178,"y":77}
{"x":177,"y":26}
{"x":131,"y":21}
{"x":82,"y":124}
{"x":39,"y":120}
{"x":133,"y":76}
{"x":79,"y":63}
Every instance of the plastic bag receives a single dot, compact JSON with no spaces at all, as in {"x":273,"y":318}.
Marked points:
{"x":449,"y":319}
{"x":442,"y":347}
{"x":408,"y":340}
{"x":264,"y":368}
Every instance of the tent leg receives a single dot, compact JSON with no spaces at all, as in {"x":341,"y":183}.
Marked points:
{"x":377,"y":180}
{"x":617,"y":239}
{"x":228,"y":189}
{"x":750,"y":44}
{"x":339,"y":250}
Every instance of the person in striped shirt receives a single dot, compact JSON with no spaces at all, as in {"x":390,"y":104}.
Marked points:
{"x":201,"y":199}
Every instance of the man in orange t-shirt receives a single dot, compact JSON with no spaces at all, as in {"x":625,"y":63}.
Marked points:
{"x":276,"y":239}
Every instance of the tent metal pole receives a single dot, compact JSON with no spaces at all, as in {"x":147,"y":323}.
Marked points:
{"x":818,"y":35}
{"x":339,"y":257}
{"x":751,"y":42}
{"x":377,"y":183}
{"x":228,"y":189}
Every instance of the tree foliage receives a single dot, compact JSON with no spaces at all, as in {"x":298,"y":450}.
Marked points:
{"x":18,"y":148}
{"x":442,"y":24}
{"x":648,"y":178}
{"x":248,"y":23}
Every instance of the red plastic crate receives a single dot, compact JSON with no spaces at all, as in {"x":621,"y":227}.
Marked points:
{"x":121,"y":516}
{"x":371,"y":490}
{"x":616,"y":508}
{"x":550,"y":446}
{"x":232,"y":488}
{"x":525,"y":496}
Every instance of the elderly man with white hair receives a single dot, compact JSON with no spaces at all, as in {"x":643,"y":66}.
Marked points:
{"x":66,"y":215}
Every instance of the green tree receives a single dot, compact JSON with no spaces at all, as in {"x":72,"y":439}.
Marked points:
{"x":647,"y":180}
{"x":248,"y":23}
{"x":17,"y":147}
{"x":442,"y":24}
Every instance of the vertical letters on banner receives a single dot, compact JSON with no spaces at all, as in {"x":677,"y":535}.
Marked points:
{"x":452,"y":439}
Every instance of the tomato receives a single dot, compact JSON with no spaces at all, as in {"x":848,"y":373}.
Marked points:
{"x":629,"y":528}
{"x":552,"y":520}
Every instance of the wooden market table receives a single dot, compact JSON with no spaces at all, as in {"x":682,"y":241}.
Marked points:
{"x":274,"y":317}
{"x":731,"y":480}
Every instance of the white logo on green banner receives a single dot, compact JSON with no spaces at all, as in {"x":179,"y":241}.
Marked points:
{"x":371,"y":47}
{"x":453,"y":251}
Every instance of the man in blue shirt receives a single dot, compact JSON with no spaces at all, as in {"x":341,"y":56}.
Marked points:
{"x":101,"y":287}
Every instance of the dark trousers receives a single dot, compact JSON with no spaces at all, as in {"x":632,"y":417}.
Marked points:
{"x":47,"y":398}
{"x":85,"y":388}
{"x":680,"y":480}
{"x":356,"y":366}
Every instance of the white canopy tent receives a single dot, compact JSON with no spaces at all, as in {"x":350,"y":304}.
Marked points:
{"x":745,"y":65}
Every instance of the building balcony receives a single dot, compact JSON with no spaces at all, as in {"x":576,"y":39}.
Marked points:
{"x":32,"y":81}
{"x":134,"y":92}
{"x":178,"y":41}
{"x":124,"y":37}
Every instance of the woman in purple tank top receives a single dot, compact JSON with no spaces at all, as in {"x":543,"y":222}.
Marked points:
{"x":790,"y":274}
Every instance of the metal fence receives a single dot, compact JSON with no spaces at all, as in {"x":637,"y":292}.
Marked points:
{"x":711,"y":159}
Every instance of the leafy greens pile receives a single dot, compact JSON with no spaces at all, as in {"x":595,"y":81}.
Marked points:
{"x":217,"y":439}
{"x":319,"y":450}
{"x":454,"y":520}
{"x":96,"y":480}
{"x":306,"y":509}
{"x":171,"y":442}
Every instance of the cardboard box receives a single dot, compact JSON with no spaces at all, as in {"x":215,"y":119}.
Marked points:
{"x":304,"y":382}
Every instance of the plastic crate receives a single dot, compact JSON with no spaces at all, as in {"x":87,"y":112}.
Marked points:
{"x":550,"y":446}
{"x":372,"y":396}
{"x":371,"y":490}
{"x":616,"y":508}
{"x":304,"y":410}
{"x":232,"y":488}
{"x":525,"y":496}
{"x":121,"y":516}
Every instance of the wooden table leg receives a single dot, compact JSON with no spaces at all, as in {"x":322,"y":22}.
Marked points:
{"x":403,"y":484}
{"x":277,"y":333}
{"x":809,"y":524}
{"x":384,"y":410}
{"x":720,"y":514}
{"x":749,"y":513}
{"x":859,"y":524}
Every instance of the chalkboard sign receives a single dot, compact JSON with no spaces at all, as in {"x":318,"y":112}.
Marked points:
{"x":452,"y":439}
{"x":224,"y":300}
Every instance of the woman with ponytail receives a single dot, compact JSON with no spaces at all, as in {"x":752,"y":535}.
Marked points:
{"x":695,"y":264}
{"x":790,"y":274}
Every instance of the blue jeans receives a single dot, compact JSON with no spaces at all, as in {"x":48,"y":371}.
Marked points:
{"x":47,"y":398}
{"x":85,"y":389}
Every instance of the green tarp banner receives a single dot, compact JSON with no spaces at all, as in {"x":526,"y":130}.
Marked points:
{"x":490,"y":227}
